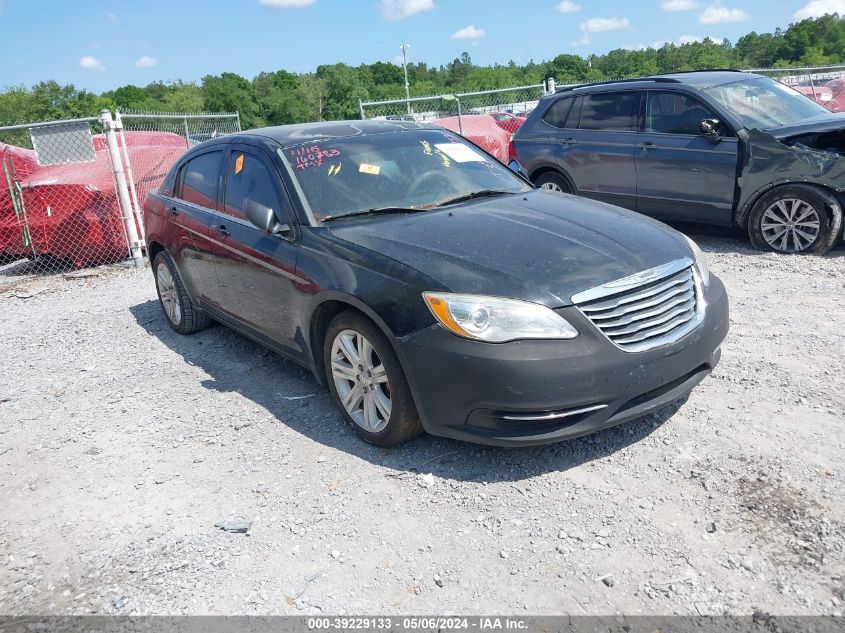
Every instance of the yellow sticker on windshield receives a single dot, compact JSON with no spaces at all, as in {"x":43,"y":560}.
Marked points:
{"x":373,"y":170}
{"x":239,"y":164}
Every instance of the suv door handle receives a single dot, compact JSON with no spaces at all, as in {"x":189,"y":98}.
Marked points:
{"x":221,"y":229}
{"x":649,"y":145}
{"x":174,"y":211}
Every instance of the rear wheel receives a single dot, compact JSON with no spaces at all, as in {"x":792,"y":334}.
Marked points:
{"x":367,"y":383}
{"x":553,"y":181}
{"x":181,"y":314}
{"x":795,"y":219}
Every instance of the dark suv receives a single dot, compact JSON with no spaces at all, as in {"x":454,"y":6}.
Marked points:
{"x":721,"y":147}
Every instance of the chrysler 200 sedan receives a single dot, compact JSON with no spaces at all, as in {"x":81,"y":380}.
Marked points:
{"x":431,"y":288}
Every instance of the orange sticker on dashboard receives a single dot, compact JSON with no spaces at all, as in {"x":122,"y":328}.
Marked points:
{"x":373,"y":170}
{"x":239,"y":164}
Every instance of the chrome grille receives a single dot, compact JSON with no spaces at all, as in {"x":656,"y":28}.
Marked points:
{"x":647,"y":310}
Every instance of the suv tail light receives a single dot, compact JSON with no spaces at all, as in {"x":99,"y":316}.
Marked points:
{"x":511,"y":150}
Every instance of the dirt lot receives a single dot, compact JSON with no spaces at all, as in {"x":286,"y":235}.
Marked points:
{"x":122,"y":444}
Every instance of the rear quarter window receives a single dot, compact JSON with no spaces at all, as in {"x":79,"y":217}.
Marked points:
{"x":563,"y":113}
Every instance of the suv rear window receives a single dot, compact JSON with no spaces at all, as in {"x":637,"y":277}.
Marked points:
{"x":609,"y":111}
{"x":563,"y":113}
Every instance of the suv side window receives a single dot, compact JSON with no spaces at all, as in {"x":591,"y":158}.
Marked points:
{"x":199,"y":179}
{"x":564,"y":113}
{"x":248,"y":178}
{"x":612,"y":111}
{"x":675,"y":113}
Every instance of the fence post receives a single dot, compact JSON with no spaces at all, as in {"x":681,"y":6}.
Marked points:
{"x":187,"y":134}
{"x":122,"y":190}
{"x":550,"y":86}
{"x":238,"y":116}
{"x":361,"y":109}
{"x":136,"y":207}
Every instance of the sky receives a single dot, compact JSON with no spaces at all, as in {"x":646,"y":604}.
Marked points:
{"x":99,"y":45}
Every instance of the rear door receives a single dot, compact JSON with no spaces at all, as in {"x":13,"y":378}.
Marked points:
{"x":256,"y":270}
{"x":681,"y":175}
{"x":191,"y":208}
{"x":596,"y":146}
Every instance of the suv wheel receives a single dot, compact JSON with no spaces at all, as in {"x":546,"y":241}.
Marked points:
{"x":794,"y":219}
{"x":553,"y":181}
{"x":181,"y":314}
{"x":367,"y":383}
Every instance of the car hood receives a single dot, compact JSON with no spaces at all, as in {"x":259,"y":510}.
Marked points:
{"x":539,"y":246}
{"x":823,"y":123}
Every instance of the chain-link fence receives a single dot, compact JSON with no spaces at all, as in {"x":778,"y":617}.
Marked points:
{"x":824,"y":84}
{"x":72,"y":191}
{"x":487,"y":118}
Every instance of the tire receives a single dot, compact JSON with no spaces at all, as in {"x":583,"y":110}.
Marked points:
{"x":362,"y":385}
{"x":811,"y":221}
{"x":182,"y":315}
{"x":553,"y":181}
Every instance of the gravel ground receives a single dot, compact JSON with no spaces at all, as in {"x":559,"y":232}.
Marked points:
{"x":122,"y":444}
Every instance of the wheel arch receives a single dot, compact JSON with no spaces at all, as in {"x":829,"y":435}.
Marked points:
{"x":832,"y":196}
{"x":546,"y":168}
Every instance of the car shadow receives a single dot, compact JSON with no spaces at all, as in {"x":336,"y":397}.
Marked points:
{"x":722,"y":239}
{"x":290,"y":393}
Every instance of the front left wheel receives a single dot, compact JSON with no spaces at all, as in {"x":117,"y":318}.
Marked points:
{"x":795,"y":219}
{"x":367,"y":383}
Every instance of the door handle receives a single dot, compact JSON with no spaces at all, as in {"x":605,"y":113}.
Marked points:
{"x":222,"y":230}
{"x":174,"y":211}
{"x":649,"y":145}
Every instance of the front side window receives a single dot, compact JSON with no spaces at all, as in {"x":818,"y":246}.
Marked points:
{"x":760,"y":102}
{"x":675,"y":113}
{"x":412,"y":169}
{"x":610,"y":111}
{"x":200,"y":179}
{"x":249,"y":178}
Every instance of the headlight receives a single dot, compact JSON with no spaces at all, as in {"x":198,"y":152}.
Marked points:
{"x":700,"y":261}
{"x":496,"y":320}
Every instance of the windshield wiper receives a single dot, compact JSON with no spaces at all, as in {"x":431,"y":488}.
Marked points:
{"x":484,"y":193}
{"x":375,"y":211}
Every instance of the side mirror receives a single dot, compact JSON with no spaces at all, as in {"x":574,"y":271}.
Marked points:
{"x":709,"y":129}
{"x":264,"y":218}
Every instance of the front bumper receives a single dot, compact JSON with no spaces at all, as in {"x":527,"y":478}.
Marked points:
{"x":535,"y":392}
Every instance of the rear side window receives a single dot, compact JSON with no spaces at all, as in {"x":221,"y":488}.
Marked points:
{"x":564,"y":113}
{"x":200,"y":179}
{"x":248,"y":178}
{"x":612,"y":111}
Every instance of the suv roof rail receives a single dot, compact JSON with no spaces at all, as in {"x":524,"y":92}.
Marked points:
{"x":704,"y":70}
{"x":613,"y":82}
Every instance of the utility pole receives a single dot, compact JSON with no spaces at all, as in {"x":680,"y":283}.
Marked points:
{"x":405,"y":48}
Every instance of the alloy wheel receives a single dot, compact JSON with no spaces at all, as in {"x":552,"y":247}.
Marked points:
{"x":169,"y":294}
{"x":790,"y":225}
{"x":361,"y":381}
{"x":551,"y":186}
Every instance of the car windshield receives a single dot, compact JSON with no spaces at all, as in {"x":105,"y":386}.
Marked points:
{"x":760,"y":102}
{"x":413,"y":170}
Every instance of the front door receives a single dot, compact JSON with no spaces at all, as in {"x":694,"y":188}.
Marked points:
{"x":681,"y":175}
{"x":256,"y":271}
{"x":598,"y":151}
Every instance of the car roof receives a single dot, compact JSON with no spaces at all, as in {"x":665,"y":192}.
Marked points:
{"x":289,"y":135}
{"x":695,"y":79}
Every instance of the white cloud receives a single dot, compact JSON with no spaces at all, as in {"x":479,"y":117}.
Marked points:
{"x":91,"y":63}
{"x":818,"y":8}
{"x":469,"y":33}
{"x":146,"y":62}
{"x":717,"y":14}
{"x":568,"y":6}
{"x":678,"y":5}
{"x":401,"y":9}
{"x":285,"y":4}
{"x":599,"y":25}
